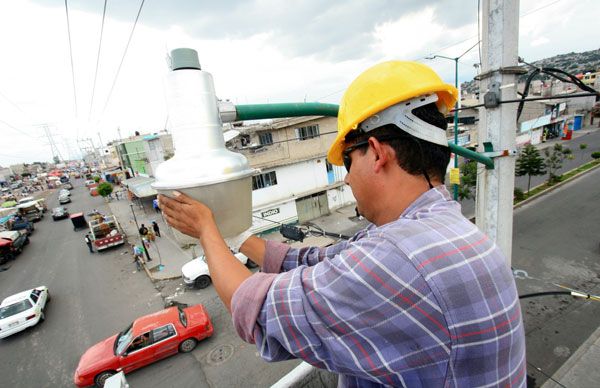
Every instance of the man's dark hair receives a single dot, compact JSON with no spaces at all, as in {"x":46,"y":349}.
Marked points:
{"x":412,"y":154}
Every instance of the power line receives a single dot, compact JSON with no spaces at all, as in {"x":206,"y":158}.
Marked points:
{"x":12,"y":103}
{"x":17,"y":129}
{"x":122,"y":59}
{"x":71,"y":55}
{"x":97,"y":61}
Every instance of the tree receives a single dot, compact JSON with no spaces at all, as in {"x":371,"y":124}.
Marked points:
{"x":104,"y":189}
{"x":468,"y":180}
{"x":554,"y":160}
{"x":582,"y":147}
{"x":529,"y":163}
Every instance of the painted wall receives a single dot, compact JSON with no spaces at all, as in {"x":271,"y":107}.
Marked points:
{"x":292,"y":181}
{"x":136,"y":155}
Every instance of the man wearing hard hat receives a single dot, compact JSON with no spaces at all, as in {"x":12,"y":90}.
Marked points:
{"x":421,"y":297}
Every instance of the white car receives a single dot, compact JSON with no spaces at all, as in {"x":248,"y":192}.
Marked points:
{"x":23,"y":310}
{"x":64,"y":192}
{"x":195,"y":273}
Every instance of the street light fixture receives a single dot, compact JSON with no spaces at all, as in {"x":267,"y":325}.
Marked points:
{"x":455,"y":189}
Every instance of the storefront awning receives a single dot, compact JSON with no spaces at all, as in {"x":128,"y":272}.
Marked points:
{"x":140,"y":186}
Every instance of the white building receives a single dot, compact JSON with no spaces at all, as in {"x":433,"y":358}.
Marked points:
{"x":296,"y":182}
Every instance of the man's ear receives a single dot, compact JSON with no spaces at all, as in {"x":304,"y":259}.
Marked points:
{"x":381,"y":154}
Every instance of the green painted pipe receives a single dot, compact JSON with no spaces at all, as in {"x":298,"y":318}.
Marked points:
{"x":296,"y":109}
{"x":293,"y":109}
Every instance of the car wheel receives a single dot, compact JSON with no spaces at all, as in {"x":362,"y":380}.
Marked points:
{"x":42,"y":316}
{"x":101,"y":378}
{"x":48,"y":297}
{"x":26,"y":241}
{"x":251,"y":264}
{"x":202,"y":281}
{"x":188,"y":345}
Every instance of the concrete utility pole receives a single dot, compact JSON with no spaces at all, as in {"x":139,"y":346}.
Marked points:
{"x":497,"y":123}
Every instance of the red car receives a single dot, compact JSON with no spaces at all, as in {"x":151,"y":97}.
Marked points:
{"x":146,"y":340}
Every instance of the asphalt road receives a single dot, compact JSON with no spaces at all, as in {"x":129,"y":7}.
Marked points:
{"x":93,"y":297}
{"x":556,"y":240}
{"x":97,"y":295}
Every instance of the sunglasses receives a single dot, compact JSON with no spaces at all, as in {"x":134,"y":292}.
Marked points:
{"x":346,"y":153}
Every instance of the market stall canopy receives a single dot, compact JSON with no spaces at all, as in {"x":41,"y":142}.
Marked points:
{"x":140,"y":186}
{"x":9,"y":204}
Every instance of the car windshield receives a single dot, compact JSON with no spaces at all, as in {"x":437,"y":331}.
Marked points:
{"x":15,"y":308}
{"x":123,"y":339}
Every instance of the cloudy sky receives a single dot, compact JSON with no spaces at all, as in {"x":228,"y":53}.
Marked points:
{"x":258,"y":51}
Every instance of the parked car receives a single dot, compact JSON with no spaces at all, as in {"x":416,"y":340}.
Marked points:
{"x":58,"y":213}
{"x":195,"y":273}
{"x":68,"y":186}
{"x":23,"y":310}
{"x":148,"y":339}
{"x":64,"y":192}
{"x":62,"y":199}
{"x":12,"y":243}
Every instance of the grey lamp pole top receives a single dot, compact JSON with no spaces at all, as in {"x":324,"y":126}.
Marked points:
{"x":184,"y":58}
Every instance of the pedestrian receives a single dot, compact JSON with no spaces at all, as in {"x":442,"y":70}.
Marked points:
{"x":143,"y":230}
{"x":155,"y":205}
{"x":88,"y":241}
{"x":420,"y":297}
{"x":138,"y":258}
{"x":156,"y":228}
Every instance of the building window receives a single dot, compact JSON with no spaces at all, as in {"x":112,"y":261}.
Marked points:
{"x":308,"y":132}
{"x":245,"y":139}
{"x":265,"y":138}
{"x":264,"y":180}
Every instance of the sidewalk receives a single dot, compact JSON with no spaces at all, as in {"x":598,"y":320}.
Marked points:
{"x":168,"y":257}
{"x":581,"y":369}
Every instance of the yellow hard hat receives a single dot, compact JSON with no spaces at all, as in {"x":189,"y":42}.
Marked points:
{"x":382,"y":86}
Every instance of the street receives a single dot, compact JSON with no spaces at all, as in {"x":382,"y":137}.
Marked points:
{"x":591,"y":139}
{"x":97,"y":295}
{"x":556,"y":239}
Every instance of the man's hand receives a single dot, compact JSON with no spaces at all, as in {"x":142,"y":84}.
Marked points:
{"x":185,"y":214}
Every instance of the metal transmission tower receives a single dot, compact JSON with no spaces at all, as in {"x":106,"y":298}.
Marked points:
{"x":55,"y":151}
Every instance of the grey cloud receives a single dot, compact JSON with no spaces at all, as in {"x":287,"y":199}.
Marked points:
{"x":331,"y":30}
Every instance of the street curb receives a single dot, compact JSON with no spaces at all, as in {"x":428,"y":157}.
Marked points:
{"x":573,"y":360}
{"x":556,"y":186}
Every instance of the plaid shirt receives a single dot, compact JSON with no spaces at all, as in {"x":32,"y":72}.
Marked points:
{"x":423,"y":301}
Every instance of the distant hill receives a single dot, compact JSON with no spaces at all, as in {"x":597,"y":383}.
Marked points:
{"x":574,"y":63}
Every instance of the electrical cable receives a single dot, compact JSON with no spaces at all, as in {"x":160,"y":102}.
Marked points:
{"x":562,"y":96}
{"x":521,"y":274}
{"x":551,"y":72}
{"x":122,"y":59}
{"x":72,"y":66}
{"x":97,"y":60}
{"x":17,"y":129}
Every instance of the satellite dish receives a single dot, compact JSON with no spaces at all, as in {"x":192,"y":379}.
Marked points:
{"x":230,"y":135}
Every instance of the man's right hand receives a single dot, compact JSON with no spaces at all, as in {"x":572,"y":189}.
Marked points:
{"x":185,"y":214}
